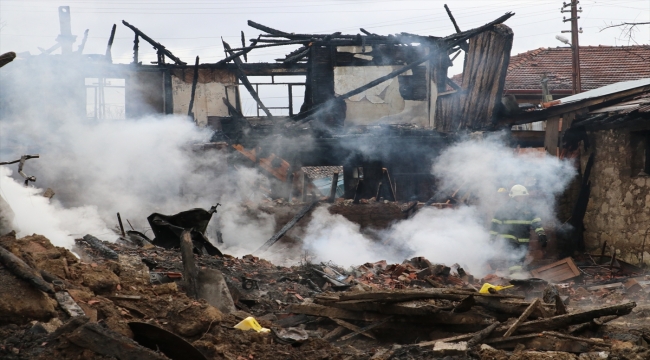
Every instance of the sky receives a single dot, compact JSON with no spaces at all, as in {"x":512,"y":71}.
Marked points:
{"x":195,"y":27}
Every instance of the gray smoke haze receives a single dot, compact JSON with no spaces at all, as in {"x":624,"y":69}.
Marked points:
{"x":448,"y":236}
{"x":100,"y":167}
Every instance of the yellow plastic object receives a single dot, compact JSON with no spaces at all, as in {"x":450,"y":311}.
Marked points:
{"x":485,"y":289}
{"x":251,"y":324}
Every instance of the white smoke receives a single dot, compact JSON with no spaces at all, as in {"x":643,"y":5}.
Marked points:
{"x":35,"y":214}
{"x":448,"y":236}
{"x":98,"y":168}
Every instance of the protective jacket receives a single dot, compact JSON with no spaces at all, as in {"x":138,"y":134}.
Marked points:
{"x":514,"y":223}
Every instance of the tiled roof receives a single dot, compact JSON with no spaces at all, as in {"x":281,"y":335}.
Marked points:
{"x":319,"y":172}
{"x":599,"y":66}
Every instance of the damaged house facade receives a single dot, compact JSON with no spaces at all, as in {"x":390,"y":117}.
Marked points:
{"x":380,"y":106}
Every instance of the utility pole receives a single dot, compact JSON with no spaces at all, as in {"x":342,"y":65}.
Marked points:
{"x":575,"y":73}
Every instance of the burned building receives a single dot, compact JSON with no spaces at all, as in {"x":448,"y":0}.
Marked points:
{"x":381,"y":106}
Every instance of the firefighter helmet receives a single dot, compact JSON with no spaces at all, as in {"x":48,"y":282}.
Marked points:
{"x":518,"y":190}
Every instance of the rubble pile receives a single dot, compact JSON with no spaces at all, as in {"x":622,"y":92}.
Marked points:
{"x":127,"y":301}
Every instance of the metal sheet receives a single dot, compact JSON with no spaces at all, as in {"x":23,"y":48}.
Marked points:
{"x":172,"y":345}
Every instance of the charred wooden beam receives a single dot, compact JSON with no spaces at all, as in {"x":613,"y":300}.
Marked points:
{"x":195,"y":80}
{"x":156,"y":45}
{"x":277,"y":236}
{"x":297,"y":55}
{"x":243,"y":44}
{"x":231,"y":109}
{"x":99,"y":246}
{"x":244,"y":79}
{"x":237,"y":54}
{"x":109,"y":55}
{"x":81,"y":47}
{"x":281,"y":43}
{"x":266,"y":29}
{"x":23,"y":271}
{"x":463,"y":45}
{"x":136,"y":47}
{"x":6,"y":58}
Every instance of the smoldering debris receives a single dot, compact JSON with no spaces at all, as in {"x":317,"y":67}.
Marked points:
{"x":338,"y":313}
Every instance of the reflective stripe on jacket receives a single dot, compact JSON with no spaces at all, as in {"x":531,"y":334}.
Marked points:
{"x":514,"y":223}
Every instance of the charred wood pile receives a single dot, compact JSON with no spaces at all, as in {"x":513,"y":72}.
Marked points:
{"x":132,"y":299}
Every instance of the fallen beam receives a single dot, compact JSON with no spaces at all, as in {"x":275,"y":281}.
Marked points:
{"x":353,"y":328}
{"x":481,"y":335}
{"x":23,"y":271}
{"x":99,"y":246}
{"x":277,"y":236}
{"x":244,"y":79}
{"x":406,"y":295}
{"x":522,"y":318}
{"x":365,"y":329}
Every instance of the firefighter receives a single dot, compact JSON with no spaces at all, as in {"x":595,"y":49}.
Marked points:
{"x":514,"y":220}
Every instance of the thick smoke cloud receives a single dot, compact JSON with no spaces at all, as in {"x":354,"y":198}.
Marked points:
{"x":450,"y":236}
{"x":100,"y":167}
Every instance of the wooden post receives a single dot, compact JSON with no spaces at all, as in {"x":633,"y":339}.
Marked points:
{"x":195,"y":80}
{"x":335,"y":181}
{"x":190,"y":271}
{"x":304,"y":187}
{"x":552,"y":135}
{"x":119,"y":220}
{"x":108,"y":54}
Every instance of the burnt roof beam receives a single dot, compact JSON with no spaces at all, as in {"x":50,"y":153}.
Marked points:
{"x":244,"y":79}
{"x":156,"y":45}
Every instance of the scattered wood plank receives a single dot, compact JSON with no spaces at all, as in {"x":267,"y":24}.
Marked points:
{"x":330,"y":312}
{"x":522,"y":318}
{"x":558,"y":271}
{"x":481,"y":335}
{"x":562,"y":321}
{"x":353,"y":327}
{"x":415,"y":309}
{"x":365,"y":329}
{"x":575,"y":338}
{"x":406,"y":295}
{"x":338,"y":331}
{"x":277,"y":236}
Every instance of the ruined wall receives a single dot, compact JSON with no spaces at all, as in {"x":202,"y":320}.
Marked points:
{"x":619,"y":206}
{"x":391,"y":102}
{"x":213,"y":85}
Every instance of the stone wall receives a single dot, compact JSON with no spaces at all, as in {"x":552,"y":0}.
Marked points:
{"x":619,"y":206}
